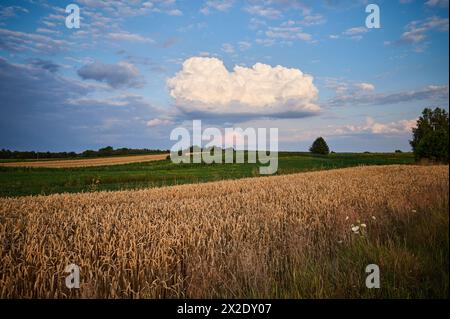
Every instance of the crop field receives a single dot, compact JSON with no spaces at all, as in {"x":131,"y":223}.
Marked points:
{"x":102,"y":161}
{"x":307,"y":235}
{"x":19,"y":181}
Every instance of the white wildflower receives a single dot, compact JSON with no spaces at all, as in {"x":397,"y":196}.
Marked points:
{"x":355,"y":229}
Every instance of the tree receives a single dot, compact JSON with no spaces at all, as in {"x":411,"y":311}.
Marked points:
{"x":319,"y":147}
{"x":430,"y":137}
{"x":107,"y":149}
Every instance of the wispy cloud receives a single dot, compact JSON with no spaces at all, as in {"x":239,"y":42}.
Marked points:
{"x":16,"y":41}
{"x":158,"y":122}
{"x":417,"y":31}
{"x":264,"y":11}
{"x":244,"y":45}
{"x":131,"y":37}
{"x":431,"y":93}
{"x":219,"y":5}
{"x":228,"y":48}
{"x":355,"y":33}
{"x":288,"y":33}
{"x":437,"y":3}
{"x":313,"y":19}
{"x":12,"y":11}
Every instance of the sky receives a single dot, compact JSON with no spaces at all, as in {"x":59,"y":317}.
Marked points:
{"x":135,"y":70}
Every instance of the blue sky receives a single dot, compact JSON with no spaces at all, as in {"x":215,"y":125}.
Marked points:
{"x":134,"y":70}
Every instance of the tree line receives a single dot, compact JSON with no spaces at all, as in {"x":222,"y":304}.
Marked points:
{"x":106,"y":151}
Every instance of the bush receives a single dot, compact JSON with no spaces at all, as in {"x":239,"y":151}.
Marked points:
{"x":319,"y":147}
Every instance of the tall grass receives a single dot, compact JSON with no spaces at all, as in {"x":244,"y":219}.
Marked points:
{"x":282,"y":237}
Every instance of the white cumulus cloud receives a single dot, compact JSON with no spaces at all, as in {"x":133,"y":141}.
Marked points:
{"x":204,"y":85}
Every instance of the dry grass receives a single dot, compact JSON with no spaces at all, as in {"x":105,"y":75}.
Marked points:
{"x":117,"y":160}
{"x":282,"y":236}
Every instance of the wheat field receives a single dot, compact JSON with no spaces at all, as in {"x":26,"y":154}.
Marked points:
{"x":305,"y":235}
{"x":112,"y":160}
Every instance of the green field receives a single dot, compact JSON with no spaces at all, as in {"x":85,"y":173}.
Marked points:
{"x":34,"y":181}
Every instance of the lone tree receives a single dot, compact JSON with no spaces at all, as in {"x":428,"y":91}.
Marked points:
{"x":430,"y":137}
{"x":319,"y":147}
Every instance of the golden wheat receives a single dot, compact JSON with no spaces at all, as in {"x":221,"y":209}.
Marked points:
{"x":117,"y":160}
{"x":222,"y":239}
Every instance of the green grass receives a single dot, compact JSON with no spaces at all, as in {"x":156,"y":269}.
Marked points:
{"x":412,"y":255}
{"x":34,"y":181}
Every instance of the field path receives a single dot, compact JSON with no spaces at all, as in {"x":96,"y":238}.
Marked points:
{"x":88,"y":162}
